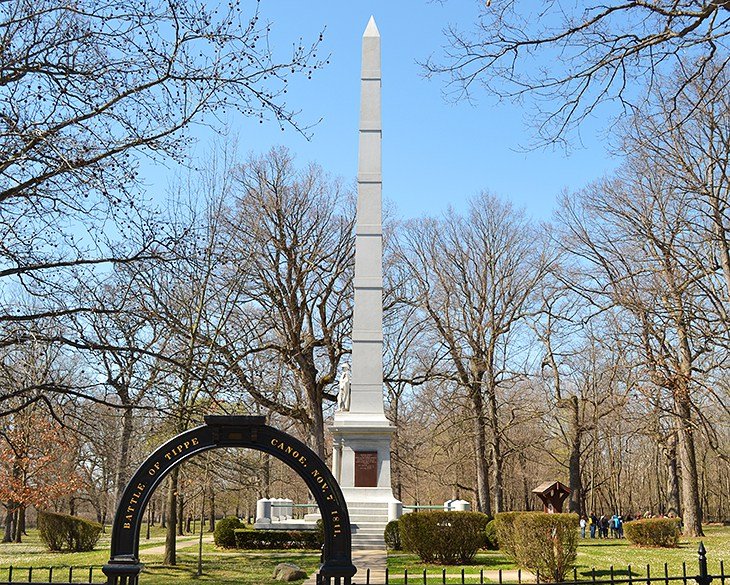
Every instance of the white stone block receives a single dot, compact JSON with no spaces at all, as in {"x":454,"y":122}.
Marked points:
{"x":395,"y":510}
{"x":263,"y":511}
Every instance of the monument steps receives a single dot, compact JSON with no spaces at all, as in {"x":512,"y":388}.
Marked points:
{"x":368,"y":506}
{"x":367,"y":542}
{"x":368,"y":521}
{"x":372,"y":528}
{"x":358,"y":518}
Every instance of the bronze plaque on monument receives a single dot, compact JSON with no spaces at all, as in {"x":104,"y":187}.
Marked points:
{"x":366,"y":469}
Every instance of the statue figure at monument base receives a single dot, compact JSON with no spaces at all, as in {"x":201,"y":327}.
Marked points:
{"x":343,"y":397}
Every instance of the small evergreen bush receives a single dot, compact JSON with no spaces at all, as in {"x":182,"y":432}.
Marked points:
{"x":490,"y":532}
{"x":392,"y":535}
{"x":660,"y":532}
{"x":443,"y":537}
{"x":223,"y":535}
{"x":542,"y":542}
{"x":277,"y":539}
{"x":61,"y":532}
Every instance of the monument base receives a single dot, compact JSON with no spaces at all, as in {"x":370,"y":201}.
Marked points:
{"x":361,"y":465}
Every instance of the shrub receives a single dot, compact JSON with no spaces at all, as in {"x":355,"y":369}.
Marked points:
{"x":540,"y":542}
{"x":223,"y":535}
{"x":392,"y":535}
{"x":61,"y":532}
{"x":662,"y":532}
{"x":443,"y":537}
{"x":505,"y":530}
{"x":491,"y":542}
{"x":277,"y":539}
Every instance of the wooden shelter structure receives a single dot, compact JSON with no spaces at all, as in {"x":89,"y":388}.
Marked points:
{"x":552,"y":494}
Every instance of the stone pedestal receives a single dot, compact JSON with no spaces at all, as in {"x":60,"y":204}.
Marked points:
{"x":363,"y":465}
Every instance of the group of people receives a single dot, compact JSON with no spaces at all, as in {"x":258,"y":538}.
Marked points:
{"x":599,"y":527}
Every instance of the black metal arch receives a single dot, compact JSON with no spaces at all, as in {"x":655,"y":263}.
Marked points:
{"x":250,"y":432}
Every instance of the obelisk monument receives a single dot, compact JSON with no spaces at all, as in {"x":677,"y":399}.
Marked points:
{"x":361,"y":432}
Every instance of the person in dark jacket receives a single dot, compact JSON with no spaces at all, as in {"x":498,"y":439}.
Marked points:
{"x":603,"y":523}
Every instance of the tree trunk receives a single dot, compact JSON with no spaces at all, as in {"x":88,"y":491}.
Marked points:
{"x":19,"y":524}
{"x":497,"y":458}
{"x":9,"y":516}
{"x":180,"y":514}
{"x":574,"y":469}
{"x":692,"y":511}
{"x":171,"y":533}
{"x":672,"y":498}
{"x":123,"y":475}
{"x":316,"y":425}
{"x":395,"y":463}
{"x":211,"y":500}
{"x":480,"y":450}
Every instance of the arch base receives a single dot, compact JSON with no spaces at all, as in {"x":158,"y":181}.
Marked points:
{"x":122,"y":571}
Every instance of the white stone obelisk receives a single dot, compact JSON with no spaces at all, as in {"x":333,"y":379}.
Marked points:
{"x":361,"y":433}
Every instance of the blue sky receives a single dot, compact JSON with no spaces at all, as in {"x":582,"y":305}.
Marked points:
{"x":435,"y":153}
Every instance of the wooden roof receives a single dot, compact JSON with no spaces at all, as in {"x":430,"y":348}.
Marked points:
{"x":550,"y":485}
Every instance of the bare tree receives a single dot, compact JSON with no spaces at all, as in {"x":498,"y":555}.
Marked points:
{"x":686,"y":134}
{"x":192,"y":298}
{"x":569,"y":58}
{"x":633,"y":232}
{"x":89,"y":88}
{"x":475,"y":277}
{"x":299,"y":226}
{"x":408,"y":358}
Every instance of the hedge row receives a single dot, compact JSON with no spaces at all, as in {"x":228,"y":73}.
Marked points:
{"x":273,"y":539}
{"x":537,"y":541}
{"x":61,"y":532}
{"x":443,"y":537}
{"x":663,"y":532}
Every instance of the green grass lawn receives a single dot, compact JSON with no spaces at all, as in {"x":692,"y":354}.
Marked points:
{"x":602,"y":554}
{"x":487,"y":560}
{"x":256,"y":567}
{"x":596,"y":554}
{"x":219,"y":566}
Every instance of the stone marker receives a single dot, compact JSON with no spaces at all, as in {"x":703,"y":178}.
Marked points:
{"x":288,"y":572}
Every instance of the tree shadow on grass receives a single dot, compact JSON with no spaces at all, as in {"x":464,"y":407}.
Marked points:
{"x":606,"y":573}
